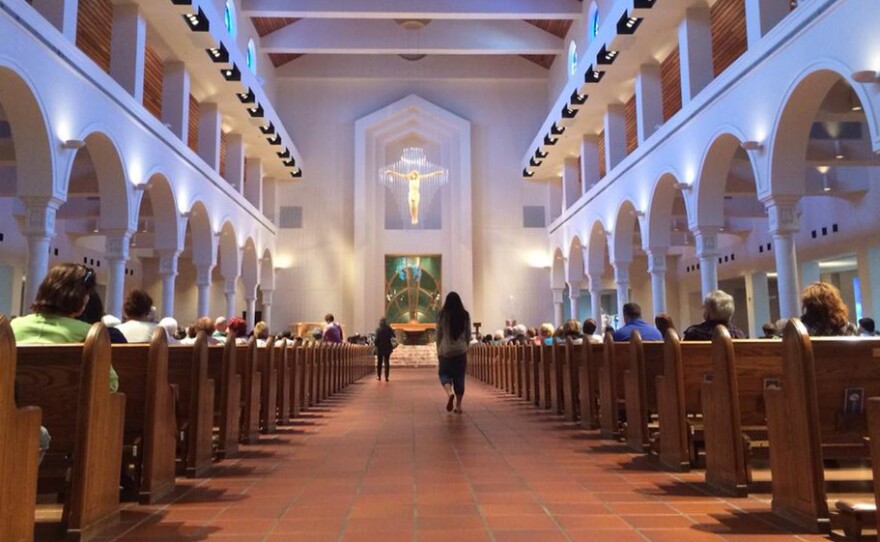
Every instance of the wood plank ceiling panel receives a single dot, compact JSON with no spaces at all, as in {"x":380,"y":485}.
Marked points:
{"x":558,"y":28}
{"x":670,"y":77}
{"x":728,"y":33}
{"x":602,"y":168}
{"x":193,"y":139}
{"x":154,"y":74}
{"x":94,"y":23}
{"x":632,"y":136}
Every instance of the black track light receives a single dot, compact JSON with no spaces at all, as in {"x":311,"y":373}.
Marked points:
{"x":247,"y":97}
{"x":274,"y":140}
{"x":628,"y":24}
{"x":606,"y":56}
{"x":256,"y":111}
{"x":284,"y":154}
{"x":197,"y":22}
{"x":550,"y":140}
{"x":577,"y":98}
{"x":268,"y":129}
{"x":231,"y":74}
{"x":539,"y":154}
{"x":557,"y":130}
{"x":297,"y":173}
{"x":593,"y":75}
{"x":568,"y":112}
{"x":535,"y":163}
{"x":527,"y":173}
{"x":220,"y":55}
{"x":290,"y":162}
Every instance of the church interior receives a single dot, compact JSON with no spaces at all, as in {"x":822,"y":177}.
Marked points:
{"x":660,"y":216}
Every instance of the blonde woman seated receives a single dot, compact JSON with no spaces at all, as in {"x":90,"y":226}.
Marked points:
{"x":261,"y":333}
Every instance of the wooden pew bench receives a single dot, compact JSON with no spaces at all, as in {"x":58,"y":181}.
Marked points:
{"x":227,"y":402}
{"x":86,"y":421}
{"x":644,"y":364}
{"x":188,"y":369}
{"x":247,"y":359}
{"x":19,"y":449}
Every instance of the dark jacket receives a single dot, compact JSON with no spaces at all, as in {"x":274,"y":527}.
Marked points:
{"x":705,"y":331}
{"x":384,"y":334}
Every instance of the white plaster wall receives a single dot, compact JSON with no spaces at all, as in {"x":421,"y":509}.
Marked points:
{"x":508,"y":259}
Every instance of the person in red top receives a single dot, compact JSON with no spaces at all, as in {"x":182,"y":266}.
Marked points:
{"x":332,"y":331}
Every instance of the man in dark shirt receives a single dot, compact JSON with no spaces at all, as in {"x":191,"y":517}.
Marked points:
{"x":632,"y":316}
{"x":717,"y":311}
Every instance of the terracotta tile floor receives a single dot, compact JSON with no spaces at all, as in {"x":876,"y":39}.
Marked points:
{"x":384,"y":461}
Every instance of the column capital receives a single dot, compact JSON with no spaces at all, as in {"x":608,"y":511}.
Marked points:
{"x":574,"y":292}
{"x":267,"y":296}
{"x":117,"y":244}
{"x":168,"y":258}
{"x":782,"y":212}
{"x":39,"y":215}
{"x":203,"y":274}
{"x":657,"y":260}
{"x":706,"y":241}
{"x":557,"y":294}
{"x":621,"y":272}
{"x":229,"y":286}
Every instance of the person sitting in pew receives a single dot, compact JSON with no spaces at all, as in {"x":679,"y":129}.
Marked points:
{"x":572,"y":329}
{"x":717,"y":311}
{"x":139,"y":325}
{"x":589,"y":329}
{"x":170,"y":326}
{"x":770,"y":331}
{"x":632,"y":316}
{"x":239,"y":327}
{"x":261,"y":332}
{"x":867,"y":328}
{"x":61,"y":299}
{"x":824,"y":312}
{"x":220,"y":327}
{"x":664,"y":323}
{"x":205,"y":324}
{"x":95,"y":313}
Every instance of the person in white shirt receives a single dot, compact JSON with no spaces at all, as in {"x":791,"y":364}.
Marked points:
{"x":139,"y":325}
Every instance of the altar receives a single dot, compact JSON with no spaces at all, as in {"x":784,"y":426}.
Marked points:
{"x":415,"y":333}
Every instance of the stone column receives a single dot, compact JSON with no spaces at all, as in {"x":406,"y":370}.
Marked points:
{"x":762,"y":16}
{"x":574,"y":296}
{"x":868,"y":264}
{"x":267,"y":306}
{"x":203,"y":283}
{"x":175,"y":99}
{"x":168,"y":271}
{"x":39,"y":229}
{"x":621,"y":282}
{"x":127,"y":49}
{"x":209,"y":134}
{"x":229,"y":292}
{"x":251,"y":301}
{"x":235,"y":162}
{"x":117,"y":252}
{"x":557,"y":306}
{"x":571,"y":189}
{"x":657,"y":269}
{"x":615,"y":135}
{"x":589,"y":162}
{"x":253,"y":184}
{"x":61,"y":13}
{"x":596,"y":304}
{"x":695,"y":50}
{"x":706,"y":240}
{"x":783,"y":226}
{"x":758,"y":298}
{"x":649,"y":101}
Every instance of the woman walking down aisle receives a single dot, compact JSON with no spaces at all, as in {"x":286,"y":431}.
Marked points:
{"x":453,"y":337}
{"x":384,"y":347}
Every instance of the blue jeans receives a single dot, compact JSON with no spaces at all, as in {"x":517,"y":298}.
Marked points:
{"x":452,"y":370}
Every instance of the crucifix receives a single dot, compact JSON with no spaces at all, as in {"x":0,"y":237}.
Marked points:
{"x":422,"y":179}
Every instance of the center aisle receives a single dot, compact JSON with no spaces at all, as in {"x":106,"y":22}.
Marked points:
{"x":384,"y":461}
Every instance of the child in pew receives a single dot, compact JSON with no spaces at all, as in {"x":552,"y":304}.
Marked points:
{"x":61,"y":299}
{"x":824,"y":312}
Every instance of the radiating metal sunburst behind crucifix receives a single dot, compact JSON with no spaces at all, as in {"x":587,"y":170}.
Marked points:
{"x":414,"y":180}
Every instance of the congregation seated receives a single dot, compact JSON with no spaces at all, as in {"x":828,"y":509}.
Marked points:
{"x":545,"y":334}
{"x":332,"y":332}
{"x":61,"y":299}
{"x":202,"y":324}
{"x":95,"y":313}
{"x":769,"y":330}
{"x":590,"y":330}
{"x":139,"y":325}
{"x":867,"y":328}
{"x":664,"y":323}
{"x":221,"y":325}
{"x":717,"y":311}
{"x":239,"y":327}
{"x":824,"y":312}
{"x":571,"y":329}
{"x":632,"y":316}
{"x":261,"y":333}
{"x":171,"y":329}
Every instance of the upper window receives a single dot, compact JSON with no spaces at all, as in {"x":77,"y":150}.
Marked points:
{"x":252,"y":56}
{"x":229,"y":18}
{"x":572,"y":58}
{"x":594,"y":20}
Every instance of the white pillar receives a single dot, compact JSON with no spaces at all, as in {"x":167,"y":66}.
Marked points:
{"x":251,"y":300}
{"x":621,"y":282}
{"x":554,"y":198}
{"x":596,"y":303}
{"x":574,"y":296}
{"x":203,"y":283}
{"x":649,"y":101}
{"x":783,"y":226}
{"x":810,"y":272}
{"x":175,"y":99}
{"x":229,"y":292}
{"x":758,"y":302}
{"x":657,"y":269}
{"x":589,"y":162}
{"x":615,"y":135}
{"x":235,"y":161}
{"x":61,"y":13}
{"x":253,"y":183}
{"x":557,"y":306}
{"x":868,"y":264}
{"x":706,"y":239}
{"x":39,"y":229}
{"x":168,"y":271}
{"x":127,"y":49}
{"x":209,"y":134}
{"x":267,"y":306}
{"x":695,"y":50}
{"x":762,"y":16}
{"x":117,"y":251}
{"x":571,"y":189}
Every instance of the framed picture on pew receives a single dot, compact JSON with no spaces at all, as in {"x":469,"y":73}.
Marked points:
{"x":854,"y":400}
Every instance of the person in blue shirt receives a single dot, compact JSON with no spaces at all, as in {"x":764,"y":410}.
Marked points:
{"x":632,"y":316}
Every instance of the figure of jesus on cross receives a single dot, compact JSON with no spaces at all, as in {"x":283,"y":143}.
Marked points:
{"x":423,"y":179}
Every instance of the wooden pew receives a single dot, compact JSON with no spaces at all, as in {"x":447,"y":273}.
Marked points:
{"x":519,"y":369}
{"x":251,"y":379}
{"x":556,"y":393}
{"x":546,"y":364}
{"x":296,"y":376}
{"x":678,"y":396}
{"x":222,"y":368}
{"x":268,"y":370}
{"x":308,"y":373}
{"x":527,"y":350}
{"x":569,"y":356}
{"x":732,"y":400}
{"x":615,"y":358}
{"x":645,"y":364}
{"x":537,"y":374}
{"x":188,"y":370}
{"x":806,"y":420}
{"x":588,"y":385}
{"x":150,"y":426}
{"x":283,"y":364}
{"x":19,"y":449}
{"x":70,"y":384}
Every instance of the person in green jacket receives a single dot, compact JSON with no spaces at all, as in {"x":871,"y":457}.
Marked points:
{"x":61,"y":299}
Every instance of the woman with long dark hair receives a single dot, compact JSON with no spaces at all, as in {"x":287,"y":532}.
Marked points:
{"x":453,"y":338}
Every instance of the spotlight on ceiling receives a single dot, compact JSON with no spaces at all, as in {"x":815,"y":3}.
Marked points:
{"x":534,"y":162}
{"x":231,"y":74}
{"x":218,"y":54}
{"x":290,"y":162}
{"x":197,"y":22}
{"x":578,"y":98}
{"x":550,"y":141}
{"x":527,"y":173}
{"x":297,"y":173}
{"x":751,"y":145}
{"x":274,"y":140}
{"x":284,"y":154}
{"x":541,"y":154}
{"x":247,"y":97}
{"x":866,"y":76}
{"x":628,"y":24}
{"x":186,"y":214}
{"x":256,"y":111}
{"x":557,"y":130}
{"x":568,"y":112}
{"x":593,"y":75}
{"x":268,"y":129}
{"x":606,"y":56}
